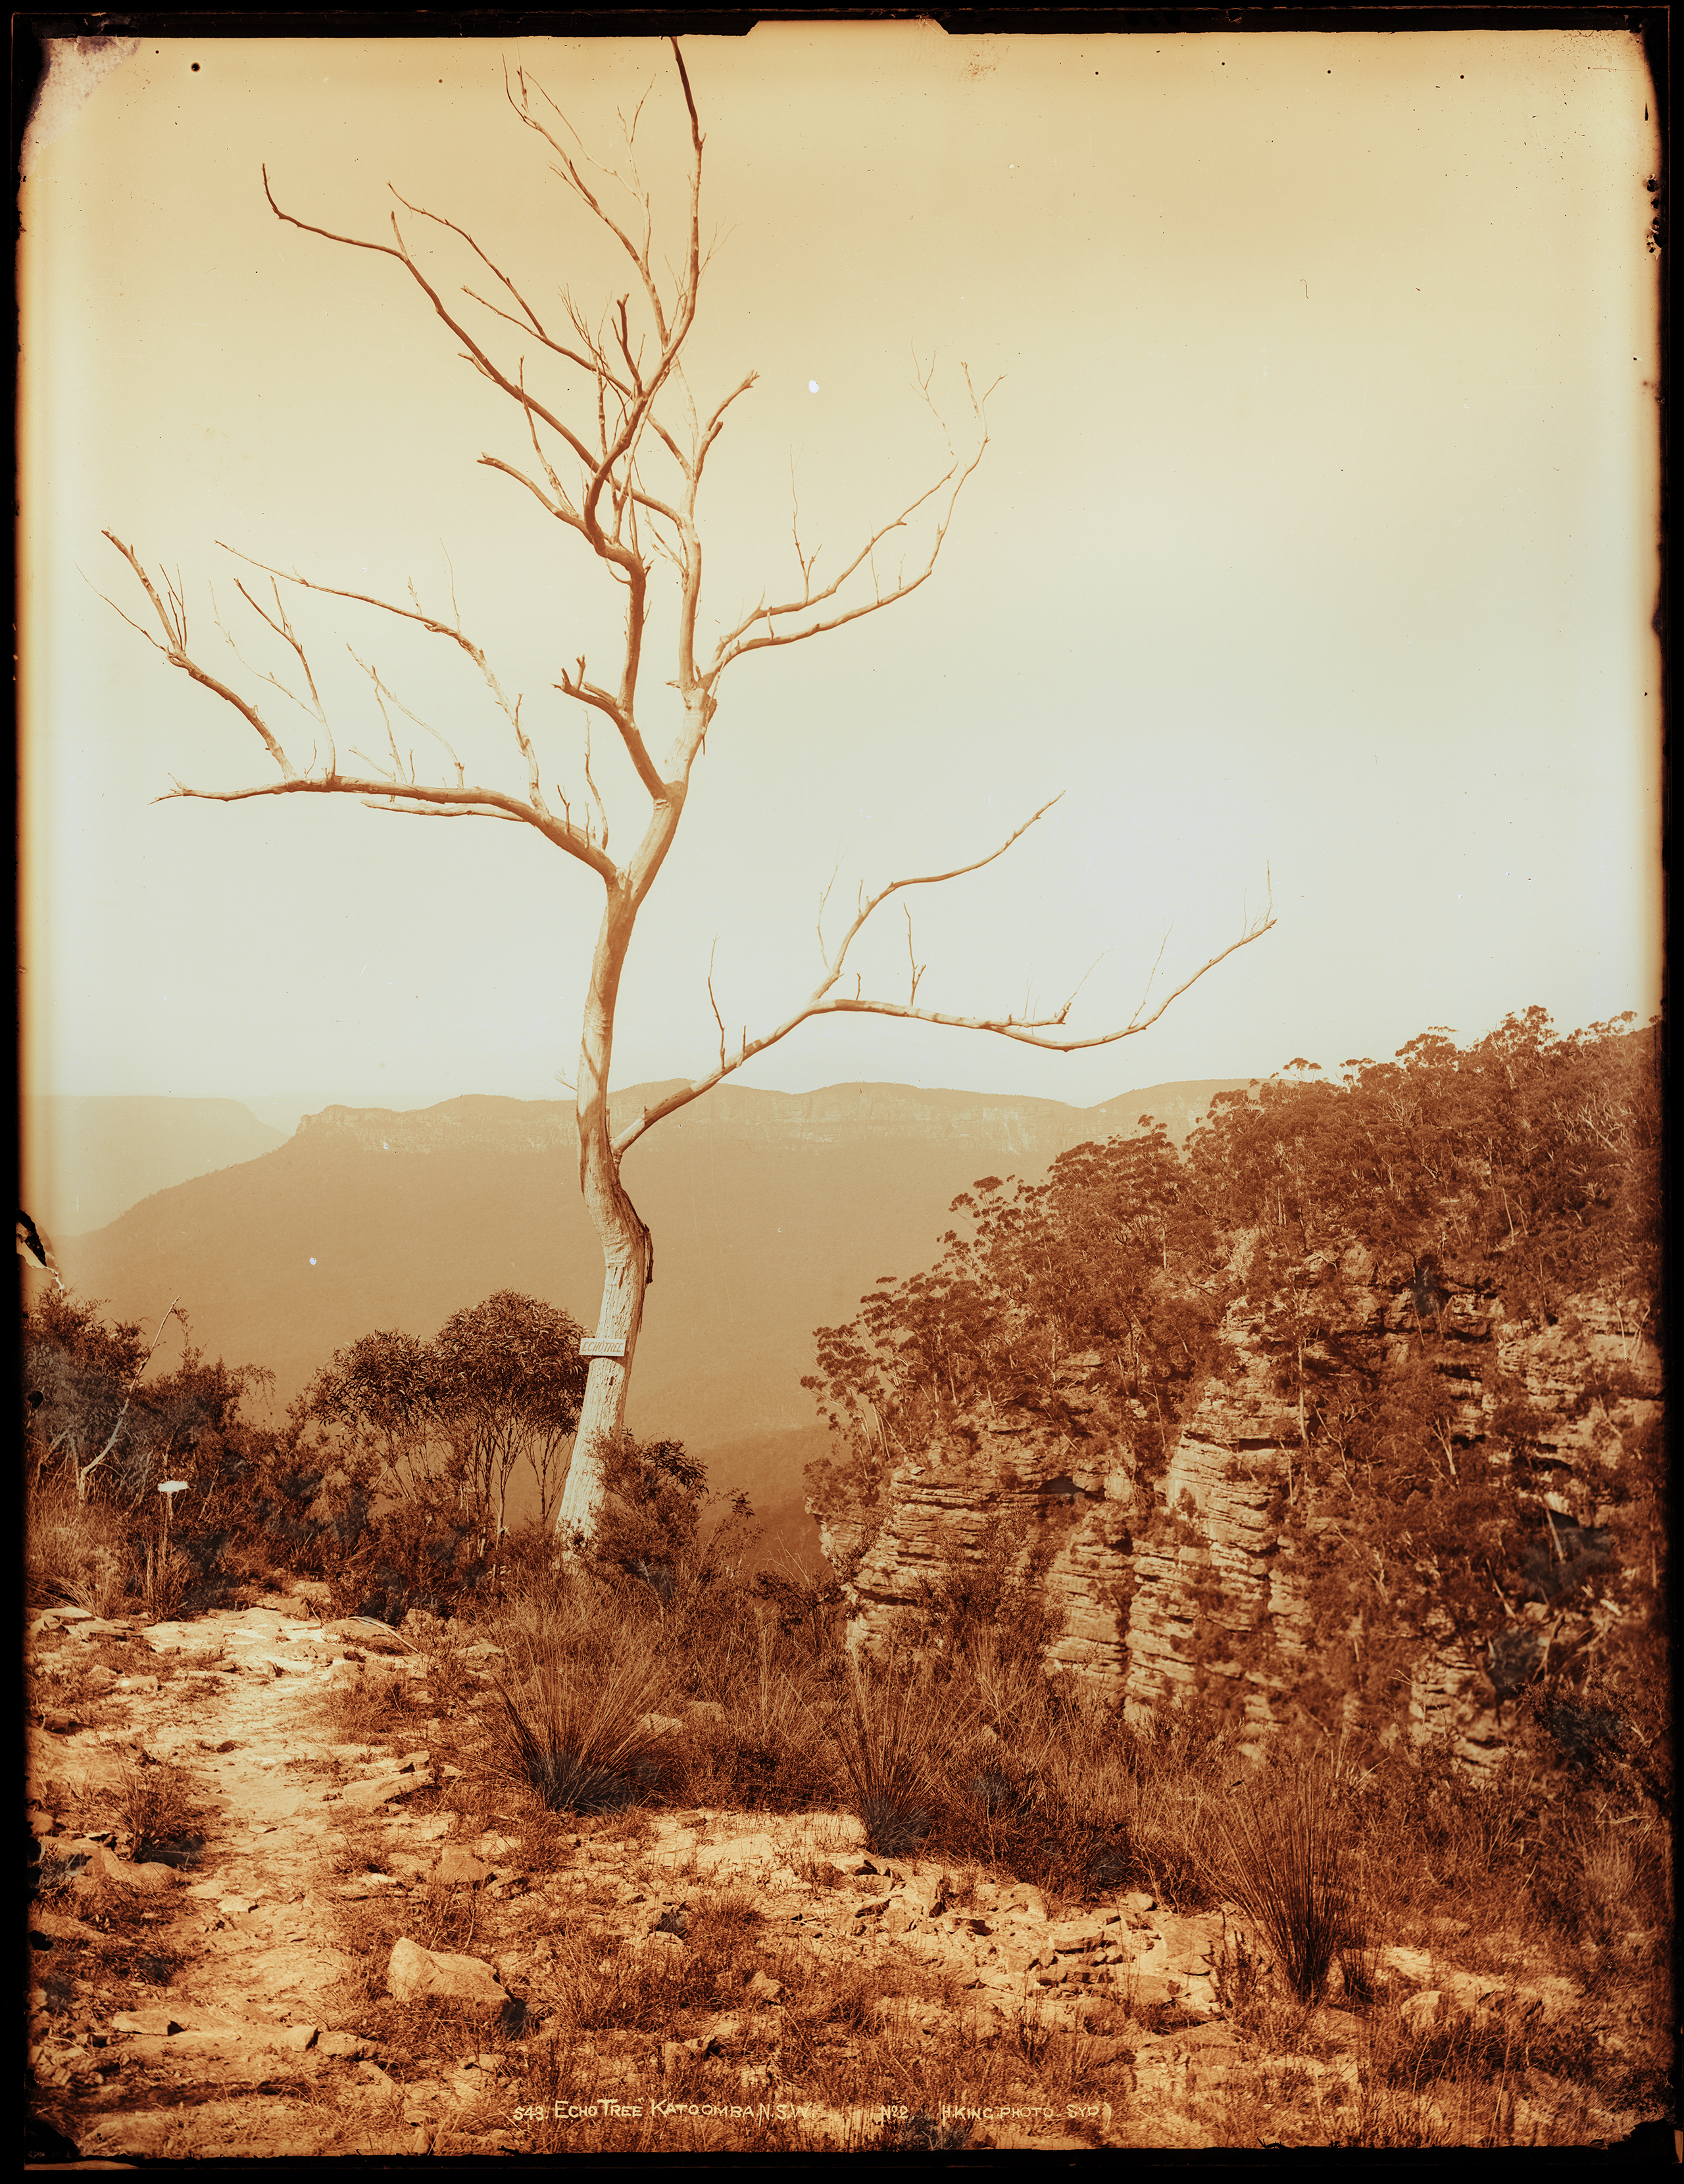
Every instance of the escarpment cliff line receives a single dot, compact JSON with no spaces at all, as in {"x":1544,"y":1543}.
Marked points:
{"x":770,"y":1211}
{"x":1227,"y":1568}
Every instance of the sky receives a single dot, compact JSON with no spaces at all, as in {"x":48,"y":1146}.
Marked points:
{"x":1311,"y":559}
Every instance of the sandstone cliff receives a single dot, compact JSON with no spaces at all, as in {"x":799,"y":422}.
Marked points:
{"x":1225,"y":1571}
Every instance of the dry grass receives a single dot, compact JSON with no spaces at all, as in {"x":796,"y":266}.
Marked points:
{"x":669,"y":2047}
{"x":896,"y":1735}
{"x":575,"y":1694}
{"x":382,"y":1703}
{"x":161,"y":1579}
{"x":162,"y":1818}
{"x":1465,"y":2081}
{"x":1281,"y":1854}
{"x":1611,"y":1876}
{"x":757,"y":1743}
{"x":1006,"y":1775}
{"x":77,"y":1551}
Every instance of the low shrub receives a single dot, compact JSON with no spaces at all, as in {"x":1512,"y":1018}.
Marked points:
{"x":895,"y":1736}
{"x":1596,"y":1877}
{"x":576,"y":1700}
{"x":651,"y":1504}
{"x":161,"y":1816}
{"x":1280,"y":1852}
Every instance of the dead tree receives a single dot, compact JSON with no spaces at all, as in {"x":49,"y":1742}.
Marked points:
{"x":615,"y":458}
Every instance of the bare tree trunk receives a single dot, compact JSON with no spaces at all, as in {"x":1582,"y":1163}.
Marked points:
{"x":626,"y":1250}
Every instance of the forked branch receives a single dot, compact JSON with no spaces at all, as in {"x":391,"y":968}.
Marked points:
{"x":391,"y":794}
{"x":760,"y":629}
{"x":175,"y":650}
{"x":1046,"y":1032}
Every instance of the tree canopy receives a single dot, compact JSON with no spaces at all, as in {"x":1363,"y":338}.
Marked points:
{"x":448,"y":1422}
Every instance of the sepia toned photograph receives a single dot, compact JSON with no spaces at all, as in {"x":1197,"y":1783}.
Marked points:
{"x":840,"y":971}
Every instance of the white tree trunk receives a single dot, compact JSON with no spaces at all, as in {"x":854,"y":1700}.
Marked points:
{"x":626,"y":1247}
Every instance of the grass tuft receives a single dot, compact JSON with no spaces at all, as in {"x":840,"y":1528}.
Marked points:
{"x":160,"y":1814}
{"x":163,"y":1575}
{"x":1281,"y":1855}
{"x":576,"y":1708}
{"x":893,"y":1739}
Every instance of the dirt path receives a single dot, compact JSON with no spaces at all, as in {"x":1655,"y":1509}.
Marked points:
{"x":241,"y":2050}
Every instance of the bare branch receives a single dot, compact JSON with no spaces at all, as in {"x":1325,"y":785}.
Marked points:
{"x":596,"y":793}
{"x":278,"y":622}
{"x":1043,"y":1032}
{"x":564,"y":507}
{"x":174,"y":622}
{"x":382,"y":691}
{"x":1157,"y":960}
{"x":530,"y":321}
{"x":436,"y":811}
{"x":713,"y":1004}
{"x":563,"y":512}
{"x":139,"y":627}
{"x":806,"y":562}
{"x":869,"y":903}
{"x":477,"y":355}
{"x":672,"y":335}
{"x":1034,"y":1034}
{"x":1031,"y":1033}
{"x":823,"y":901}
{"x":421,"y":800}
{"x":84,"y":1473}
{"x":431,"y":623}
{"x":589,"y":362}
{"x":919,"y":969}
{"x":591,"y":694}
{"x":736,"y":642}
{"x":569,"y":173}
{"x":715,"y":423}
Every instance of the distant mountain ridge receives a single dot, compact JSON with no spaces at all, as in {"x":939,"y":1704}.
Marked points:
{"x":839,"y":1114}
{"x":772,"y":1214}
{"x":85,"y":1162}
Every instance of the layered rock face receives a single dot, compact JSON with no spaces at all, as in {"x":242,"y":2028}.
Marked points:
{"x":1196,"y":1575}
{"x":1047,"y":1495}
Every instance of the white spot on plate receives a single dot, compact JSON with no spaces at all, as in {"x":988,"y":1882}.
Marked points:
{"x":312,"y":1262}
{"x":813,"y":387}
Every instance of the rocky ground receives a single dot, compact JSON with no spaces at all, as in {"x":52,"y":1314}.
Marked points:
{"x":323,"y":1948}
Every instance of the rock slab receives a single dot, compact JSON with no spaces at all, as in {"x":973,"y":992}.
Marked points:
{"x":415,"y":1974}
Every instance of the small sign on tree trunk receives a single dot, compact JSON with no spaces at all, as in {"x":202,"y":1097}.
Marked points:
{"x":602,"y":1345}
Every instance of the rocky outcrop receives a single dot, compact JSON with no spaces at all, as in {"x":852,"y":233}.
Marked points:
{"x":1163,"y":1581}
{"x":1054,"y":1497}
{"x":419,"y":1975}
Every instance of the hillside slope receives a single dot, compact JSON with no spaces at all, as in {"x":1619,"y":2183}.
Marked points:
{"x":83,"y":1163}
{"x":771,"y":1213}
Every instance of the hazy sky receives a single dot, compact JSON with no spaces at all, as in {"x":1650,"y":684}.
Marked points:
{"x":1315,"y":539}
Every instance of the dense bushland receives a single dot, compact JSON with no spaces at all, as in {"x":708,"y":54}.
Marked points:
{"x":388,"y":1479}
